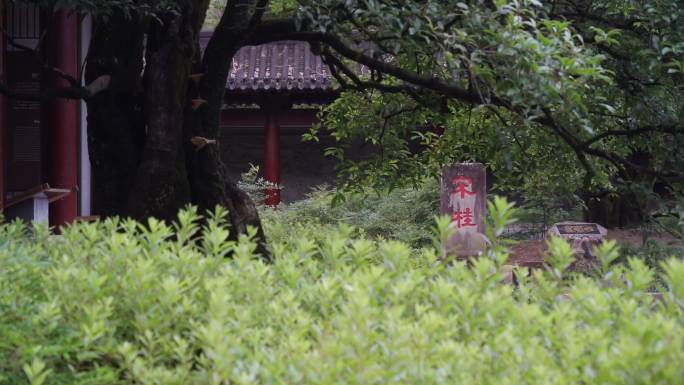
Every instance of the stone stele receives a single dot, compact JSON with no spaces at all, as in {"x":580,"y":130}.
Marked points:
{"x":463,"y":195}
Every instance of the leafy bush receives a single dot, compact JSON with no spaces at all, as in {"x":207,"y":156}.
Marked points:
{"x":652,"y":253}
{"x":403,"y":214}
{"x":255,"y":185}
{"x":115,"y":302}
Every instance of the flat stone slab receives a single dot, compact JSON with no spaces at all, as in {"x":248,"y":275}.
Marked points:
{"x":582,"y":236}
{"x":577,"y":230}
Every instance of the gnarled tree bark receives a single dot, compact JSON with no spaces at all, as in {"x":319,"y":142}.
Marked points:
{"x":144,"y":163}
{"x":116,"y":131}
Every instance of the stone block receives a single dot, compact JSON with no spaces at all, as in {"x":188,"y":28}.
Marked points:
{"x":465,"y":243}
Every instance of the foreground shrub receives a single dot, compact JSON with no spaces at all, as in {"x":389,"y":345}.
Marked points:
{"x":119,"y":303}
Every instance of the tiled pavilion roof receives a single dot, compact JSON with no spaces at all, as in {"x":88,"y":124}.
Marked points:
{"x":278,"y":66}
{"x":283,"y":65}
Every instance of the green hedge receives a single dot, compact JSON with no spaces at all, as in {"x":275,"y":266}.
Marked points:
{"x":118,"y":303}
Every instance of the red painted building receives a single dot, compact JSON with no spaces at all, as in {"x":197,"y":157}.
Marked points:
{"x":39,"y":142}
{"x":272,"y":95}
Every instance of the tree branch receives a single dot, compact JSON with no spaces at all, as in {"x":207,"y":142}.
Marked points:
{"x":73,"y":92}
{"x":284,"y":29}
{"x":333,"y":61}
{"x":666,"y":129}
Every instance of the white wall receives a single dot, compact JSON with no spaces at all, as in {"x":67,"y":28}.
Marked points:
{"x":84,"y":161}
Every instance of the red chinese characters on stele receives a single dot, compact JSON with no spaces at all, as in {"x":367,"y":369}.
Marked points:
{"x":462,"y":202}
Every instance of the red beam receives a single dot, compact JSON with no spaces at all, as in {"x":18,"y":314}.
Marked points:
{"x":272,"y":158}
{"x":299,"y":118}
{"x":243,"y":118}
{"x":257,"y":118}
{"x":63,"y":122}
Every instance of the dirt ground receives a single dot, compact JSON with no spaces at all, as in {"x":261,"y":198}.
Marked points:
{"x":531,"y":252}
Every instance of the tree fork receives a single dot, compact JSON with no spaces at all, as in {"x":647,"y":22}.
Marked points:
{"x":209,"y":183}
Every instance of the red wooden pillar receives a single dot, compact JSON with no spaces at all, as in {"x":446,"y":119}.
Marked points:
{"x":271,"y":162}
{"x":63,"y":122}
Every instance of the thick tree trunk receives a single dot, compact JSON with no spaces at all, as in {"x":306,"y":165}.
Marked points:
{"x":207,"y":174}
{"x":161,"y":184}
{"x":115,"y":122}
{"x":627,"y":208}
{"x":144,"y":163}
{"x":209,"y":183}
